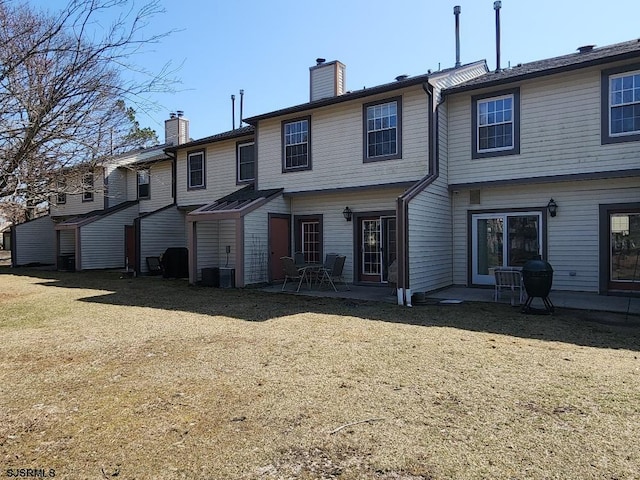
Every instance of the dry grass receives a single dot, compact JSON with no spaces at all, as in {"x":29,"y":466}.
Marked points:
{"x":150,"y":378}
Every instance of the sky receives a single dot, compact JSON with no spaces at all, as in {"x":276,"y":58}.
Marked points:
{"x":266,"y":47}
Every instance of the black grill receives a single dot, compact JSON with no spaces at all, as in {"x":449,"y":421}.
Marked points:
{"x":175,"y":262}
{"x":537,"y":276}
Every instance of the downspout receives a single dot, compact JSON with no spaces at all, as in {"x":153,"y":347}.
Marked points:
{"x":174,"y":172}
{"x":402,"y":206}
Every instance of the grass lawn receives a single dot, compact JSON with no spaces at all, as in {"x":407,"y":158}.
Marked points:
{"x":148,"y":378}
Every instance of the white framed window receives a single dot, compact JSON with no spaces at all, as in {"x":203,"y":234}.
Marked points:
{"x":496,"y":124}
{"x":624,"y":103}
{"x":195,"y":170}
{"x":61,"y":195}
{"x":296,"y":138}
{"x":87,"y":187}
{"x":382,"y":129}
{"x":143,"y":184}
{"x":245,"y":157}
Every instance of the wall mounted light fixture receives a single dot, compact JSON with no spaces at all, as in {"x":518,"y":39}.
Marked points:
{"x":552,"y":207}
{"x":347,"y":214}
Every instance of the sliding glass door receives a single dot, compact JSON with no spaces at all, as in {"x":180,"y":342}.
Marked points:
{"x":624,"y":259}
{"x":503,"y":240}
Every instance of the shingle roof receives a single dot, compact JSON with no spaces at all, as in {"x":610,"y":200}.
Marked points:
{"x":549,"y":66}
{"x":238,"y":200}
{"x":218,"y":137}
{"x":365,"y":92}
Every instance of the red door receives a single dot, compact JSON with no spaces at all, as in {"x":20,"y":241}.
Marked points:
{"x":130,"y":246}
{"x":279,"y":244}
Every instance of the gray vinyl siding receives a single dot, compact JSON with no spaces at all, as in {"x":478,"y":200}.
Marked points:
{"x":67,"y":241}
{"x":117,"y":186}
{"x":159,"y":188}
{"x":560,"y":133}
{"x":572,"y":243}
{"x":159,"y":231}
{"x":207,"y":241}
{"x":35,"y":242}
{"x":102,"y":241}
{"x":212,"y":239}
{"x":338,"y":234}
{"x":256,"y":240}
{"x":337,"y":147}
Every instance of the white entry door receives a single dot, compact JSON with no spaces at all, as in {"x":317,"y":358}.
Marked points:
{"x":503,"y":240}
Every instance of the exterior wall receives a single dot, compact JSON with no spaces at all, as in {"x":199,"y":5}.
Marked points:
{"x":67,"y":239}
{"x":560,"y":133}
{"x":220,"y":173}
{"x":103,"y":240}
{"x":159,"y":189}
{"x":34,"y":242}
{"x":572,"y":242}
{"x":338,"y":234}
{"x":212,"y":239}
{"x":117,"y":186}
{"x":430,"y":251}
{"x":256,"y":240}
{"x":337,"y":147}
{"x":159,"y":231}
{"x":74,"y":204}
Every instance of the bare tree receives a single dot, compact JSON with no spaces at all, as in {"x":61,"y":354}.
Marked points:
{"x":65,"y":82}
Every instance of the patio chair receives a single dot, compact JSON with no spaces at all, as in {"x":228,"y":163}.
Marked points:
{"x":509,"y":279}
{"x":298,"y":259}
{"x":291,"y":272}
{"x":334,"y":274}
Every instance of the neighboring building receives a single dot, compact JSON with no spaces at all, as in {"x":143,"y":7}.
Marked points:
{"x":93,"y":226}
{"x":362,"y":150}
{"x":567,"y":129}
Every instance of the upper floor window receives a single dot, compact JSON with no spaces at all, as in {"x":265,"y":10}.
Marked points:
{"x":195,"y":170}
{"x":87,"y":187}
{"x":245,"y":156}
{"x":143,"y":184}
{"x":496,"y":124}
{"x":61,"y":195}
{"x":382,"y":130}
{"x":621,"y":119}
{"x":296,"y":139}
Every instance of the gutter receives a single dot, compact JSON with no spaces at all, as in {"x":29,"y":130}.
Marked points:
{"x":403,"y":287}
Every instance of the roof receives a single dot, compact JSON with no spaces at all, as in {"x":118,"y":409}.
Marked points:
{"x":94,"y":215}
{"x":239,"y":202}
{"x":365,"y":92}
{"x":550,"y":66}
{"x":218,"y":137}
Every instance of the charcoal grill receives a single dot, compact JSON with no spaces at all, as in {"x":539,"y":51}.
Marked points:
{"x":537,"y":276}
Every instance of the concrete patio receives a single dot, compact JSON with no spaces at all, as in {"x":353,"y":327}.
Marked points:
{"x":561,"y":299}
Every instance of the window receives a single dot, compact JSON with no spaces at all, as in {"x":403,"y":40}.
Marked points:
{"x":496,"y":124}
{"x":382,"y":130}
{"x":61,"y":195}
{"x":245,"y":154}
{"x":296,"y":139}
{"x":87,"y":187}
{"x":143,"y":184}
{"x":621,"y":104}
{"x":308,"y":237}
{"x":195,"y":170}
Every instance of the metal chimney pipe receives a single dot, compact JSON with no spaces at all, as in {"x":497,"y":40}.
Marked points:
{"x":496,"y":6}
{"x":233,"y":111}
{"x":241,"y":104}
{"x":456,"y":12}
